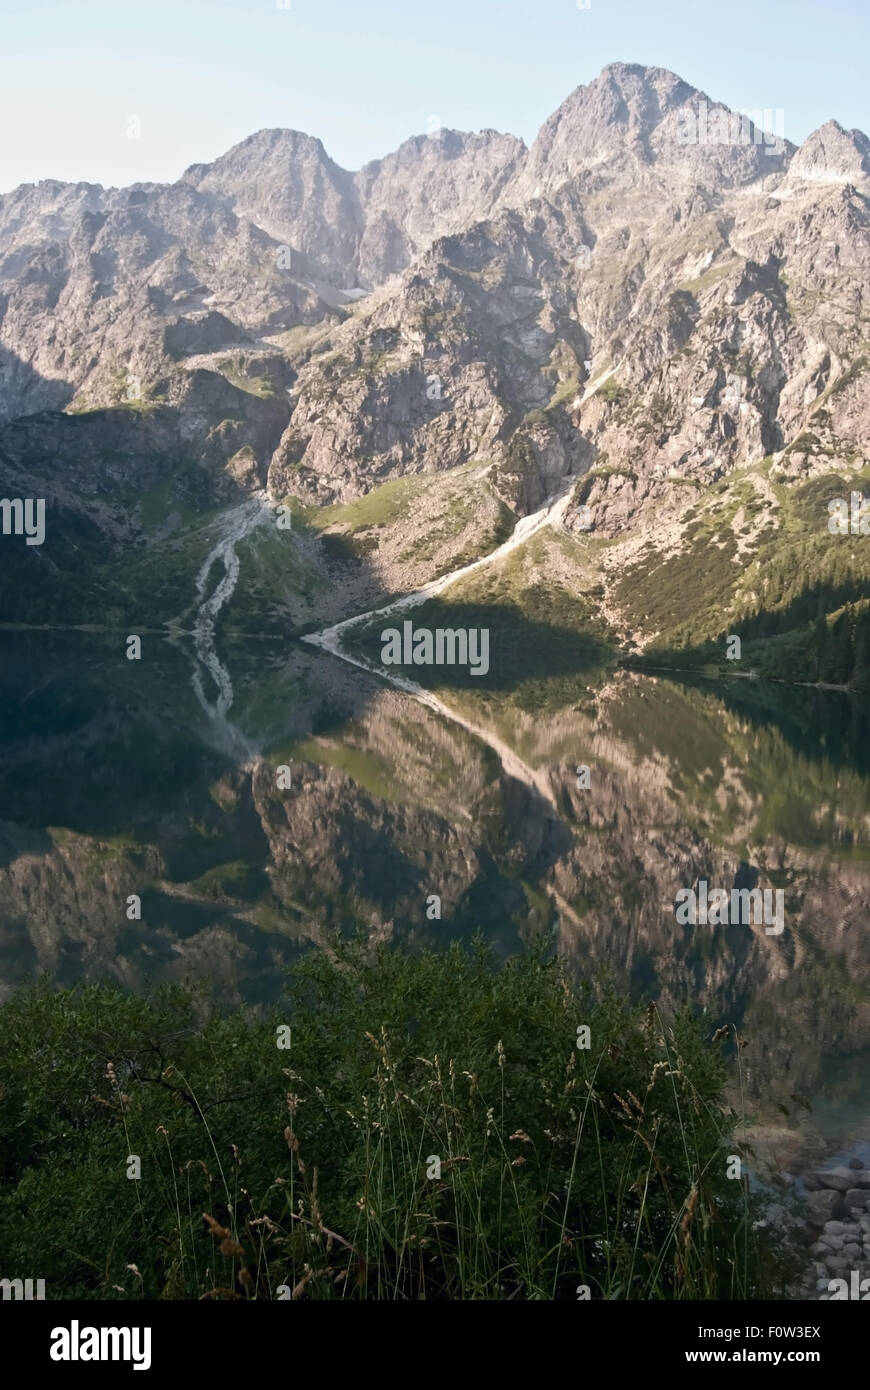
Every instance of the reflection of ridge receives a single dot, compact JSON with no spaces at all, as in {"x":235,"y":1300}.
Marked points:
{"x":551,"y":513}
{"x":537,"y":782}
{"x":236,"y":527}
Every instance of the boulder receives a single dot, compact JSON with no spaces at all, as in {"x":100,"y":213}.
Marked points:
{"x":820,"y":1204}
{"x":840,"y":1179}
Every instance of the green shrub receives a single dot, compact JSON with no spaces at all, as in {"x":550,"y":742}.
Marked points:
{"x":307,"y":1168}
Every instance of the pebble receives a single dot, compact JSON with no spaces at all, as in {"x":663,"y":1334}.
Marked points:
{"x":834,"y":1228}
{"x":837,"y":1262}
{"x":856,"y":1163}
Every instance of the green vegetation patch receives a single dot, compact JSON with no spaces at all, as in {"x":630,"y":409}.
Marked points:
{"x":401,"y":1128}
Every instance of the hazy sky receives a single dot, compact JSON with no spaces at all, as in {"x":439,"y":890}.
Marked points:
{"x":363,"y":75}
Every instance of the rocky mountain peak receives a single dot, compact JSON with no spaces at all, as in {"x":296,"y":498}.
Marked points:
{"x":286,"y":183}
{"x":267,"y":151}
{"x":645,"y":126}
{"x":833,"y":155}
{"x":430,"y":186}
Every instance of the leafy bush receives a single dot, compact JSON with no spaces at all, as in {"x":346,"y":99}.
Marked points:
{"x":433,"y":1131}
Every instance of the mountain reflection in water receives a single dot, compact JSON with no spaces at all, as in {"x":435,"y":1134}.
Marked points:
{"x":112,"y":782}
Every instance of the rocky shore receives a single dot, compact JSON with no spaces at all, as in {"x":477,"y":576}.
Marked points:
{"x":837,"y":1198}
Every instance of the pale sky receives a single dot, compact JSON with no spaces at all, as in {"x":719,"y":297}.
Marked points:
{"x":363,"y":75}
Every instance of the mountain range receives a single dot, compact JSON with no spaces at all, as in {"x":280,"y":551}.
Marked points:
{"x":415,"y":356}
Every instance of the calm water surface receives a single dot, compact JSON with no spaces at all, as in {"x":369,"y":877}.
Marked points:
{"x":159,"y":778}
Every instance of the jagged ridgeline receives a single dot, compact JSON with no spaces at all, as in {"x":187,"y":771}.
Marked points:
{"x":658,"y":309}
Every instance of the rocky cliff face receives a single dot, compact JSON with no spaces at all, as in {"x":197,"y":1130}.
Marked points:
{"x":478,"y":336}
{"x":655,"y":296}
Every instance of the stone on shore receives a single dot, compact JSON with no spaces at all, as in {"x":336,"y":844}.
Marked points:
{"x":821,"y":1204}
{"x":840,"y":1179}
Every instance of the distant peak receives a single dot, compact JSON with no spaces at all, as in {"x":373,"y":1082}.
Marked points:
{"x":271,"y":136}
{"x":659,"y":79}
{"x":263,"y":147}
{"x":619,"y":70}
{"x":832,"y":155}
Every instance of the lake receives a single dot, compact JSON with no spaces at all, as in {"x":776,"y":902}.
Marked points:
{"x":165,"y":780}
